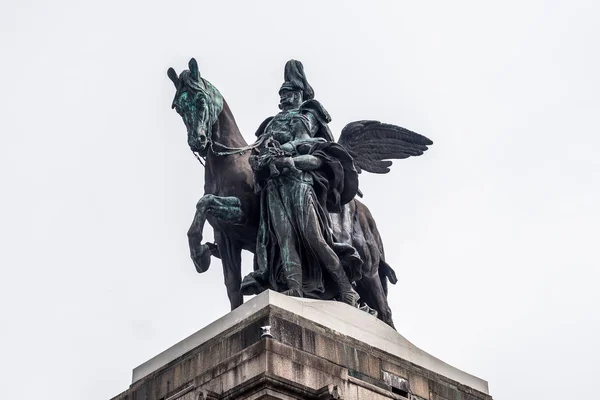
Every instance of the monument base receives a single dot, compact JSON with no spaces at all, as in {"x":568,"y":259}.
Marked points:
{"x":313,"y":350}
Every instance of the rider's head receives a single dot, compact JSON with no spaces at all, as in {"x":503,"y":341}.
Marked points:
{"x":289,"y":98}
{"x":295,"y":88}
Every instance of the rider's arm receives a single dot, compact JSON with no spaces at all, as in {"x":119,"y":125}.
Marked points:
{"x":307,"y":162}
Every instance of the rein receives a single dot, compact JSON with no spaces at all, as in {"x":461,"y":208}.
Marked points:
{"x":234,"y":150}
{"x":228,"y":151}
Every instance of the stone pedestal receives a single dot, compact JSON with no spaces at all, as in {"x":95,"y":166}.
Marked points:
{"x":315,"y":350}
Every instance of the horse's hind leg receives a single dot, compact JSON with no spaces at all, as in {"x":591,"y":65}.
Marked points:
{"x":231,"y":258}
{"x":370,"y":287}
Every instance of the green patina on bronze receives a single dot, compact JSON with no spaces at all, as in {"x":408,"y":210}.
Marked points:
{"x":198,"y":103}
{"x":290,"y":197}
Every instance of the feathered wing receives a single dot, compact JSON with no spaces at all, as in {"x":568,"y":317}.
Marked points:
{"x":373,"y":144}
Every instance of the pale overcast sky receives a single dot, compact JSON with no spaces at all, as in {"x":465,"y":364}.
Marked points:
{"x":494,"y":232}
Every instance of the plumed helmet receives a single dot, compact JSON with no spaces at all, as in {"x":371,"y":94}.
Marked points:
{"x":294,"y":79}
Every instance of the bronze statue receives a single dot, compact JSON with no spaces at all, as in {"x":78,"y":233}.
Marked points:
{"x":292,"y":202}
{"x":296,"y":251}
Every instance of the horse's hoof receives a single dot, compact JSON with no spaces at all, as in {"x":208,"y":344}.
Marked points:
{"x":214,"y":250}
{"x":365,"y":307}
{"x":202,"y":259}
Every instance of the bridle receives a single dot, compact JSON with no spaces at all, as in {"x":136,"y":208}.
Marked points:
{"x":223,"y":150}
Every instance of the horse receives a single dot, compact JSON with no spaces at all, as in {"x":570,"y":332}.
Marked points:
{"x":231,"y":206}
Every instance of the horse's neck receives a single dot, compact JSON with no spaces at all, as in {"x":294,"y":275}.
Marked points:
{"x":219,"y":168}
{"x":227,"y":132}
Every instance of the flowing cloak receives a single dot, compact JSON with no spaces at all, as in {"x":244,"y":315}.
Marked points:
{"x":303,"y":202}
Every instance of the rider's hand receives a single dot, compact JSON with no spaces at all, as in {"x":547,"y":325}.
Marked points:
{"x":285,"y":165}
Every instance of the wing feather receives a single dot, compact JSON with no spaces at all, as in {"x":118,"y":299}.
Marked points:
{"x":372,"y":144}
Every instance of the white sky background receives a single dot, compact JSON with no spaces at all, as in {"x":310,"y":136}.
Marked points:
{"x":493,"y":232}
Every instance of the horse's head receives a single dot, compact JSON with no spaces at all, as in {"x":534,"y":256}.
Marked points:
{"x":199,"y":103}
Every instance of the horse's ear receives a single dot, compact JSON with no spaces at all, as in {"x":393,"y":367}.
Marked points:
{"x":173,"y":76}
{"x":193,"y":65}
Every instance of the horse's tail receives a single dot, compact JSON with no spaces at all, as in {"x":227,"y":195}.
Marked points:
{"x":386,"y":273}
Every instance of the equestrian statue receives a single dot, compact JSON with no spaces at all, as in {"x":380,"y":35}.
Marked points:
{"x":290,"y":197}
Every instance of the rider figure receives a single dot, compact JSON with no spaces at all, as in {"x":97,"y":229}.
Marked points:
{"x":302,"y":175}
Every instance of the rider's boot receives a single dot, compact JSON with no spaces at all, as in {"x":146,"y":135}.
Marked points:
{"x":293,"y":278}
{"x":347,"y":293}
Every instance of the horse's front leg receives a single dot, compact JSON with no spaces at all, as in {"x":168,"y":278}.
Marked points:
{"x":227,"y":209}
{"x":231,"y":258}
